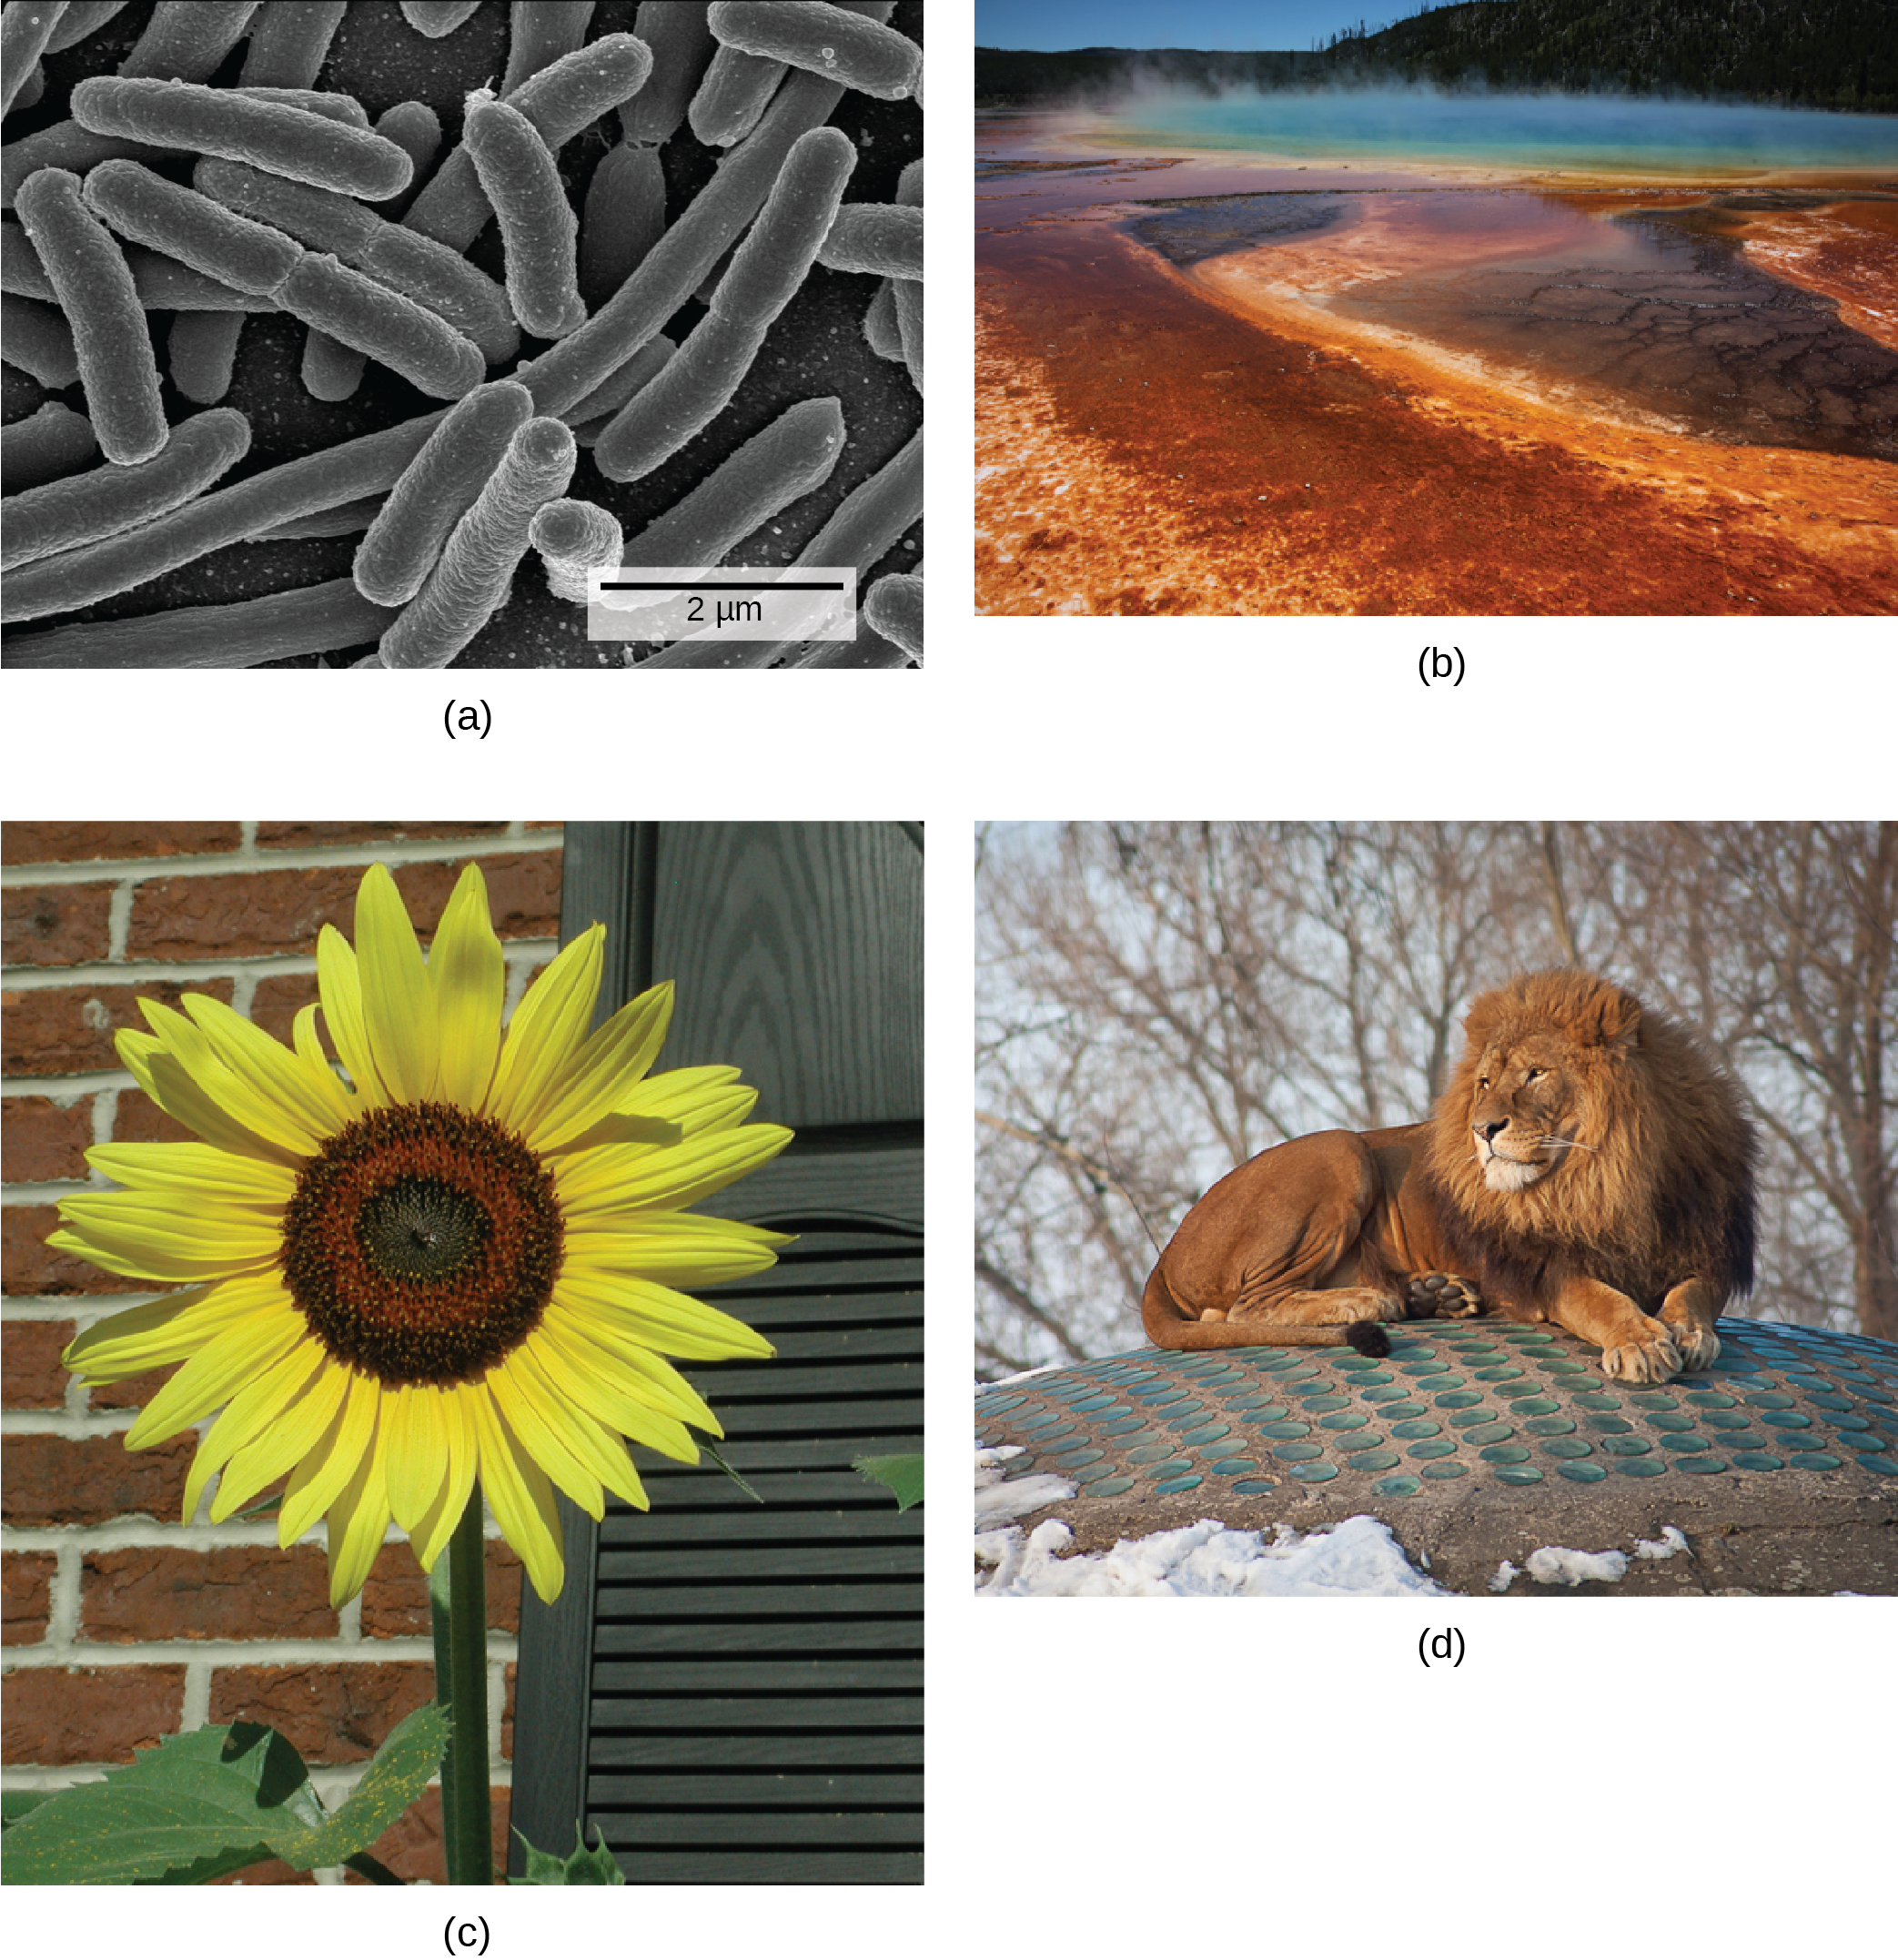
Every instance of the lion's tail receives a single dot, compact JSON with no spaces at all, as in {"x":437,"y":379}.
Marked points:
{"x":1168,"y":1325}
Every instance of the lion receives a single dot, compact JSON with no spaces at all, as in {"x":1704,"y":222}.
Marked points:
{"x":1588,"y":1163}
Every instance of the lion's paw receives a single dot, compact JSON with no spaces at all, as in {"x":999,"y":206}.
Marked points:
{"x":1654,"y":1359}
{"x":1699,"y":1346}
{"x":1440,"y":1297}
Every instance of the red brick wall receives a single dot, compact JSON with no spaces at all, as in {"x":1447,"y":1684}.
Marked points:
{"x":122,"y":1624}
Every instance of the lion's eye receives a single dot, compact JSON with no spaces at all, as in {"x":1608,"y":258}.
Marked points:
{"x":1534,"y":1075}
{"x":1482,"y":1082}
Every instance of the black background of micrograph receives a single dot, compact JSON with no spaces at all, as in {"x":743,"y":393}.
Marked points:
{"x":815,"y":347}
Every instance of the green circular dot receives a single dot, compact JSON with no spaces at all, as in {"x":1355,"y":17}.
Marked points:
{"x":1849,"y":1425}
{"x":1397,"y":1487}
{"x":1701,"y":1466}
{"x":1443,"y":1472}
{"x":1783,"y":1418}
{"x":1176,"y":1484}
{"x":1489,"y":1433}
{"x":1548,"y":1426}
{"x":1497,"y":1374}
{"x":1313,"y":1473}
{"x":1092,"y":1474}
{"x":1883,"y":1466}
{"x":1641,"y":1466}
{"x":1567,"y":1446}
{"x":1598,"y":1400}
{"x":1347,"y":1422}
{"x":1461,"y":1398}
{"x":1535,"y":1405}
{"x":1685,"y":1445}
{"x":1297,"y":1452}
{"x":1517,"y":1473}
{"x":1441,"y":1448}
{"x":1317,"y":1404}
{"x":1506,"y":1454}
{"x":1283,"y":1428}
{"x":1112,"y":1487}
{"x":1041,"y":1421}
{"x":1235,"y":1467}
{"x":1625,"y":1446}
{"x":1608,"y":1425}
{"x":1710,"y":1399}
{"x":1217,"y":1451}
{"x":1353,"y":1441}
{"x":1815,"y":1460}
{"x":1757,"y":1460}
{"x":1149,"y":1452}
{"x":1070,"y":1460}
{"x":1252,"y":1490}
{"x":1377,"y":1460}
{"x":1207,"y":1432}
{"x":1580,"y":1472}
{"x":1409,"y":1429}
{"x":1271,"y":1412}
{"x":1724,"y":1419}
{"x":1089,"y":1404}
{"x":1387,"y":1394}
{"x":1172,"y":1467}
{"x":1770,"y":1399}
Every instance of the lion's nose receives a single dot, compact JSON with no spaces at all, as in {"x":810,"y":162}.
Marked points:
{"x":1489,"y":1132}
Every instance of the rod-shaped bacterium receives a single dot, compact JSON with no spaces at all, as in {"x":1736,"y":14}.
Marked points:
{"x":471,"y":578}
{"x":288,"y":41}
{"x":103,"y":502}
{"x":828,"y":40}
{"x":766,"y":269}
{"x":185,"y":39}
{"x":538,"y":230}
{"x":95,"y":288}
{"x":50,"y":443}
{"x":402,"y":544}
{"x":572,"y":537}
{"x":885,"y":239}
{"x":224,"y":122}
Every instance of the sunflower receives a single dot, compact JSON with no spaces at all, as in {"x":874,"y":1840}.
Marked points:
{"x":452,"y":1260}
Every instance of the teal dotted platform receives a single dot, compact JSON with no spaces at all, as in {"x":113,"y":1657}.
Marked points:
{"x":1482,"y":1402}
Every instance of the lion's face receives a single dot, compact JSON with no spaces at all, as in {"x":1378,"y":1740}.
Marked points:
{"x":1524,"y":1110}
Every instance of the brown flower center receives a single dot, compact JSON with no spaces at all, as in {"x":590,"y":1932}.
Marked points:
{"x":421,"y":1244}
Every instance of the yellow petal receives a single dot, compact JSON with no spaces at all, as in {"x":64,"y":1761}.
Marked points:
{"x":683,"y":1246}
{"x":437,"y":1525}
{"x":542,"y":1440}
{"x":330,"y":1462}
{"x":469,"y":979}
{"x":169,"y":1083}
{"x":255,"y":1405}
{"x":185,"y":1238}
{"x":257,"y":1108}
{"x":417,"y":1452}
{"x":220,"y":1176}
{"x":340,"y":980}
{"x":605,"y":1397}
{"x":521,"y":1497}
{"x":660,"y":1320}
{"x":597,"y":1188}
{"x":398,"y":1002}
{"x":603,"y":1344}
{"x":313,"y":1099}
{"x":548,"y":1026}
{"x":699,"y":1107}
{"x":600,"y":1450}
{"x":162,"y":1330}
{"x":607,"y":1067}
{"x":283,"y":1444}
{"x":358,"y":1523}
{"x":215,"y":1372}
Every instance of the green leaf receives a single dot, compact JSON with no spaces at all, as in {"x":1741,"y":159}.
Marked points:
{"x":15,"y":1803}
{"x":729,"y":1471}
{"x":398,"y":1776}
{"x":901,"y":1476}
{"x":198,"y":1804}
{"x":595,"y":1867}
{"x":215,"y":1801}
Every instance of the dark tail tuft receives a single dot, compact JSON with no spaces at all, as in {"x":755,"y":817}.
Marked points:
{"x":1369,"y":1337}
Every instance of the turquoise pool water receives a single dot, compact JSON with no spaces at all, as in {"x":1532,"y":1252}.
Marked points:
{"x":1589,"y":133}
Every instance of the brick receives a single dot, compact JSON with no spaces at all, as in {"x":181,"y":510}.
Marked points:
{"x":411,"y":1847}
{"x":276,"y":1002}
{"x":507,"y":1710}
{"x":31,"y":1266}
{"x":68,"y":1030}
{"x":336,"y":1714}
{"x":87,"y":1480}
{"x":271,"y":1871}
{"x":317,"y":836}
{"x":56,"y":1716}
{"x":74,"y":843}
{"x":25,"y":1596}
{"x":244,"y":913}
{"x":395,"y":1600}
{"x":138,"y":1119}
{"x":134,"y":1393}
{"x":57,"y":925}
{"x":32,"y":1377}
{"x":154,"y":1592}
{"x":42,"y":1139}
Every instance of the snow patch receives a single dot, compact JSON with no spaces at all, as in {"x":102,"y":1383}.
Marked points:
{"x":1505,"y":1573}
{"x":1556,"y":1565}
{"x":1359,"y":1557}
{"x":1671,"y":1539}
{"x":997,"y":1502}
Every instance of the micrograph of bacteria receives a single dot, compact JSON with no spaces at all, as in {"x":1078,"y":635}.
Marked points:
{"x":359,"y":335}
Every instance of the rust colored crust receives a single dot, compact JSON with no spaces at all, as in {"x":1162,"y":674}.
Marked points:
{"x":1139,"y":450}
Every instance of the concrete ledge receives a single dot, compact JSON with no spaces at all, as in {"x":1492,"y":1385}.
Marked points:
{"x":1478,"y":1442}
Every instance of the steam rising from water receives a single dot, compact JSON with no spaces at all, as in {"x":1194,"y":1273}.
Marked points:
{"x":1552,"y":131}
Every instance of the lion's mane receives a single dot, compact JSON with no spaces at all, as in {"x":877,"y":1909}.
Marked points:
{"x":1665,"y":1188}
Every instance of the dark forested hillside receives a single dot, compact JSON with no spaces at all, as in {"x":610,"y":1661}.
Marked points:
{"x":1812,"y":53}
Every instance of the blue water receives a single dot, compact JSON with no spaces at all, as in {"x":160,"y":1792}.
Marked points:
{"x":1592,"y":133}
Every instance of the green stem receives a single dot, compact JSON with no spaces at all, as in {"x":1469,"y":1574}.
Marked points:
{"x":458,"y":1603}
